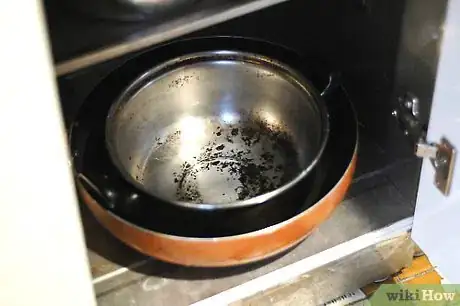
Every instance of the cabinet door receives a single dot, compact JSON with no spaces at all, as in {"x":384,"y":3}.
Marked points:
{"x":436,"y":226}
{"x":43,"y":255}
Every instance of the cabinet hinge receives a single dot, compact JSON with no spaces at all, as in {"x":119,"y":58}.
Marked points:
{"x":441,"y":155}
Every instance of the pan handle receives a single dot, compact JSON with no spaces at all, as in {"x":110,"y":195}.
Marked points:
{"x":335,"y":81}
{"x":105,"y":198}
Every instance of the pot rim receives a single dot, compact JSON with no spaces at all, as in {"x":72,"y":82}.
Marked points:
{"x":149,"y":76}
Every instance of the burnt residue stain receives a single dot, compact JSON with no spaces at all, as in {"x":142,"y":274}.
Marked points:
{"x":139,"y":174}
{"x":165,"y":143}
{"x":218,"y":131}
{"x":256,"y":171}
{"x":181,"y":81}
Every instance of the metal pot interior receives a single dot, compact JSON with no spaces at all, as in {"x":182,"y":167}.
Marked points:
{"x":217,"y":129}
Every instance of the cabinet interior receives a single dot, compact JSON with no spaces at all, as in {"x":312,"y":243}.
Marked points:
{"x":359,"y":38}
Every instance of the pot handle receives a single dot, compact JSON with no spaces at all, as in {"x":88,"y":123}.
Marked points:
{"x":335,"y":81}
{"x":105,"y":199}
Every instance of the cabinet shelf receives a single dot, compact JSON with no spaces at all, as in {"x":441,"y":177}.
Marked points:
{"x":78,"y":42}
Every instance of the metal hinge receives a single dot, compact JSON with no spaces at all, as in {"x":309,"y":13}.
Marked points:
{"x":441,"y":155}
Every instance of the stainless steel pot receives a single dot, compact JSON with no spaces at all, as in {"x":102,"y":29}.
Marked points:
{"x":217,"y":129}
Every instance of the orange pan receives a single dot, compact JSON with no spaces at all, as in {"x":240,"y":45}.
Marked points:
{"x":210,"y":238}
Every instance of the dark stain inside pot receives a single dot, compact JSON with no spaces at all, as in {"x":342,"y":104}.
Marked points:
{"x":219,"y":162}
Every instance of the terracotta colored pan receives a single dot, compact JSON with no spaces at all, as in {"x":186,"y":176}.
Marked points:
{"x":210,"y":238}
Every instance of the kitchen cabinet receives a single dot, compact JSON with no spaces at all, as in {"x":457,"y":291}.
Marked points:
{"x":395,"y":55}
